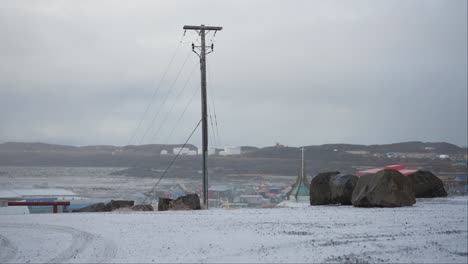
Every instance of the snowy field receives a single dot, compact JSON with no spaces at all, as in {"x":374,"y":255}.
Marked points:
{"x":434,"y":230}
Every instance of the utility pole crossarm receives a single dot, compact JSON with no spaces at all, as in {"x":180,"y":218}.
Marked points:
{"x":202,"y":27}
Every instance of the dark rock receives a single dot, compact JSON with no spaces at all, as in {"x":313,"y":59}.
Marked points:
{"x":117,"y":204}
{"x":164,"y":204}
{"x":342,"y":187}
{"x":387,"y":188}
{"x":427,"y":185}
{"x":186,"y":202}
{"x":192,"y":201}
{"x":143,"y":207}
{"x":97,"y":207}
{"x":320,"y":192}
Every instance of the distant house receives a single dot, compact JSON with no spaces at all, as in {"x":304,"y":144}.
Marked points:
{"x":252,"y":199}
{"x":457,"y":184}
{"x":411,"y":155}
{"x":357,"y":152}
{"x":221,"y":192}
{"x":230,"y":151}
{"x":211,"y":151}
{"x":182,"y":151}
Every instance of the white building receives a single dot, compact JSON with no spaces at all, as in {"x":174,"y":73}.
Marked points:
{"x":21,"y":194}
{"x":164,"y":152}
{"x":211,"y":151}
{"x":183,"y":151}
{"x":192,"y":153}
{"x":357,"y":152}
{"x":231,"y":151}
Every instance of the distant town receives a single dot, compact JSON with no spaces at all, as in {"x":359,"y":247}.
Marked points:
{"x":240,"y":176}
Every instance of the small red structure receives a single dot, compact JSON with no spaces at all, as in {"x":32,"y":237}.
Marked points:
{"x":397,"y":167}
{"x":55,"y":204}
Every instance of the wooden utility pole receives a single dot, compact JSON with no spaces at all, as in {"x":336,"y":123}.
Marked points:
{"x":203,"y":31}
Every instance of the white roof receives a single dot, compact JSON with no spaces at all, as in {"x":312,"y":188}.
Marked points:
{"x":14,"y":210}
{"x":18,"y":193}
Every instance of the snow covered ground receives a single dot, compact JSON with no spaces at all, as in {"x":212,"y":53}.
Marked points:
{"x":434,"y":230}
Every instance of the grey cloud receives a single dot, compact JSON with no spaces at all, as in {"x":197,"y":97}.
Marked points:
{"x":300,"y":72}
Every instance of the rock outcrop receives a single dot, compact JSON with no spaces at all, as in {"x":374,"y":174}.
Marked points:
{"x":342,"y":187}
{"x":186,"y":202}
{"x":320,"y":192}
{"x":97,"y":207}
{"x":192,"y":201}
{"x":427,"y":185}
{"x":387,"y":188}
{"x":117,"y":204}
{"x":164,"y":203}
{"x":142,"y":207}
{"x":332,"y":188}
{"x":110,"y":206}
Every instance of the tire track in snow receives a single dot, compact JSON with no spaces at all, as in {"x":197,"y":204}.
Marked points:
{"x":81,"y":241}
{"x":7,"y":249}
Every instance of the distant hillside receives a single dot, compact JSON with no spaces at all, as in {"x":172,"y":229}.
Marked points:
{"x":21,"y":147}
{"x":30,"y":147}
{"x":274,"y":160}
{"x":415,"y":146}
{"x":340,"y":151}
{"x":278,"y":159}
{"x":326,"y":151}
{"x":311,"y":153}
{"x":411,"y":146}
{"x":246,"y":149}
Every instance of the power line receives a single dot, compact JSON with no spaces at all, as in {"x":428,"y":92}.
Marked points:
{"x":214,"y":109}
{"x":165,"y":99}
{"x":170,"y":164}
{"x":155,"y":92}
{"x":175,"y":102}
{"x":212,"y":129}
{"x":183,"y":113}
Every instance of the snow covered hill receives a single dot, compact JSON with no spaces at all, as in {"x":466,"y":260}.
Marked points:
{"x":434,"y":230}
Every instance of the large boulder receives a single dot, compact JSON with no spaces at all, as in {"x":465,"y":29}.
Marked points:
{"x":186,"y":202}
{"x":320,"y":192}
{"x":387,"y":188}
{"x":142,"y":207}
{"x":97,"y":207}
{"x":117,"y":204}
{"x":342,"y":187}
{"x":164,"y":203}
{"x":427,"y":185}
{"x":192,"y":201}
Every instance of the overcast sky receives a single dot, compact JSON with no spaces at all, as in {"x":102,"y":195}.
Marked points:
{"x":294,"y":72}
